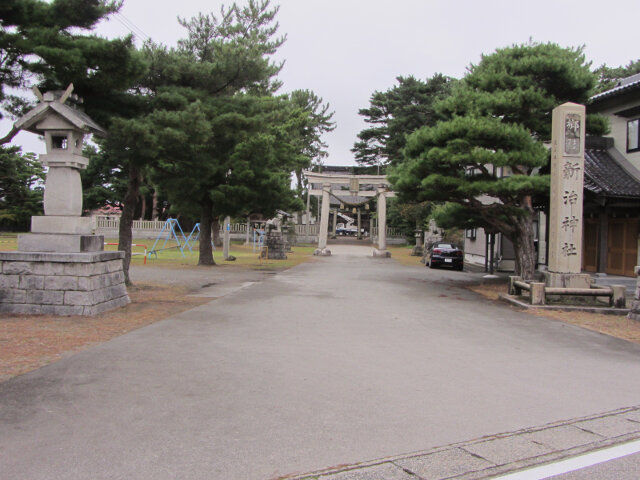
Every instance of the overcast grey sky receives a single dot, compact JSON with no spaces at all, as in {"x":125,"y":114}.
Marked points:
{"x":344,"y":50}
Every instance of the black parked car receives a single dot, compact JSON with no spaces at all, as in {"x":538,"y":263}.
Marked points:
{"x":445,"y":253}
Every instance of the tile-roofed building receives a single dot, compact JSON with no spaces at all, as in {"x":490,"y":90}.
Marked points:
{"x":612,"y":182}
{"x":605,"y":175}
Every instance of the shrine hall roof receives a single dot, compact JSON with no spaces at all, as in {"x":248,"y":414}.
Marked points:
{"x":605,"y":176}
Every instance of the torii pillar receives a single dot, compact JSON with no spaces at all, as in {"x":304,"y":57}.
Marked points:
{"x":382,"y":251}
{"x":324,"y":222}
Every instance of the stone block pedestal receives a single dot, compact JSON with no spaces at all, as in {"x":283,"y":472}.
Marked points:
{"x":61,"y":283}
{"x":381,"y":253}
{"x":567,"y":280}
{"x":276,"y":244}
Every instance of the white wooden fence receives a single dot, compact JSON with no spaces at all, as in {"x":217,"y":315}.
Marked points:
{"x":108,"y":226}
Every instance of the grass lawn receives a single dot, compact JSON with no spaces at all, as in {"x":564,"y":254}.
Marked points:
{"x":245,"y":256}
{"x":402,"y":254}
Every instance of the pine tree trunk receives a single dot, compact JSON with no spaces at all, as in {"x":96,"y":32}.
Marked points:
{"x":205,"y":256}
{"x":523,"y":244}
{"x":154,"y":206}
{"x":125,"y":236}
{"x":143,"y":206}
{"x":215,"y":227}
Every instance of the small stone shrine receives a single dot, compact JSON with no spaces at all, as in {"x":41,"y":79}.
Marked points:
{"x":60,"y":268}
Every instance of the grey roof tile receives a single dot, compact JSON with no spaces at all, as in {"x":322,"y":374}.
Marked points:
{"x":604,"y":176}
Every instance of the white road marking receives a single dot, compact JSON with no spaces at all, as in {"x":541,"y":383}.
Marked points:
{"x":576,"y":463}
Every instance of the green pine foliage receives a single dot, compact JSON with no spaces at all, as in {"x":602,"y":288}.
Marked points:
{"x":396,"y":113}
{"x":21,"y":180}
{"x":50,"y":44}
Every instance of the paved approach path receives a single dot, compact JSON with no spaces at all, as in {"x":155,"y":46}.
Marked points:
{"x":338,"y":361}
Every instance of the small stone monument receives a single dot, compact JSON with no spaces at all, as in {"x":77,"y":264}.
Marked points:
{"x":418,"y":249}
{"x":60,"y":268}
{"x":565,"y":213}
{"x":275,"y":242}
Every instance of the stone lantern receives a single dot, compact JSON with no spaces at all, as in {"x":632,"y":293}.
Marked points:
{"x":64,"y":128}
{"x":60,"y":268}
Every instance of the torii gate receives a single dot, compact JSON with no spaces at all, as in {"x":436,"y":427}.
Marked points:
{"x":333,"y":184}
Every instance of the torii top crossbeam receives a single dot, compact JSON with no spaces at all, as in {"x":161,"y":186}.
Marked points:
{"x":360,"y":185}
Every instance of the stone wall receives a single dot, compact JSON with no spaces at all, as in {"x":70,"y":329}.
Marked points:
{"x":61,"y":284}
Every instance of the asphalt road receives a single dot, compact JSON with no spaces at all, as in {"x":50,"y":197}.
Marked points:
{"x":343,"y":360}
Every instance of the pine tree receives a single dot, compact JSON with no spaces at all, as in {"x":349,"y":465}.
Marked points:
{"x":486,"y":159}
{"x":396,"y":113}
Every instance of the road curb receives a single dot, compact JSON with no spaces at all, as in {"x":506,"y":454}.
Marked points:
{"x":607,"y":421}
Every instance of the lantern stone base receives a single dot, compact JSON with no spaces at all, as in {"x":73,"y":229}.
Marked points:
{"x":65,"y":224}
{"x":567,"y":280}
{"x":61,"y":283}
{"x":60,"y":243}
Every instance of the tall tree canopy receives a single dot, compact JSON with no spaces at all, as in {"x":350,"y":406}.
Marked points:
{"x":486,"y":159}
{"x":396,"y":113}
{"x":207,"y":130}
{"x":315,"y":119}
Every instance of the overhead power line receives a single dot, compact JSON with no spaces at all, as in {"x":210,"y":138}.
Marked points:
{"x":132,"y":27}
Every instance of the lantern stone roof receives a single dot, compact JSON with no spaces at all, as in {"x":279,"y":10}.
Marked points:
{"x":77,"y":118}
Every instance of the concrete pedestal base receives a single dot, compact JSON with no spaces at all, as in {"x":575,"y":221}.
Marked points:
{"x":567,"y":280}
{"x":61,"y":283}
{"x":322,"y":252}
{"x":381,"y":253}
{"x":61,"y":243}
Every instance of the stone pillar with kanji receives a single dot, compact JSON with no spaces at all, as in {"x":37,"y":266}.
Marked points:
{"x":565,"y":211}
